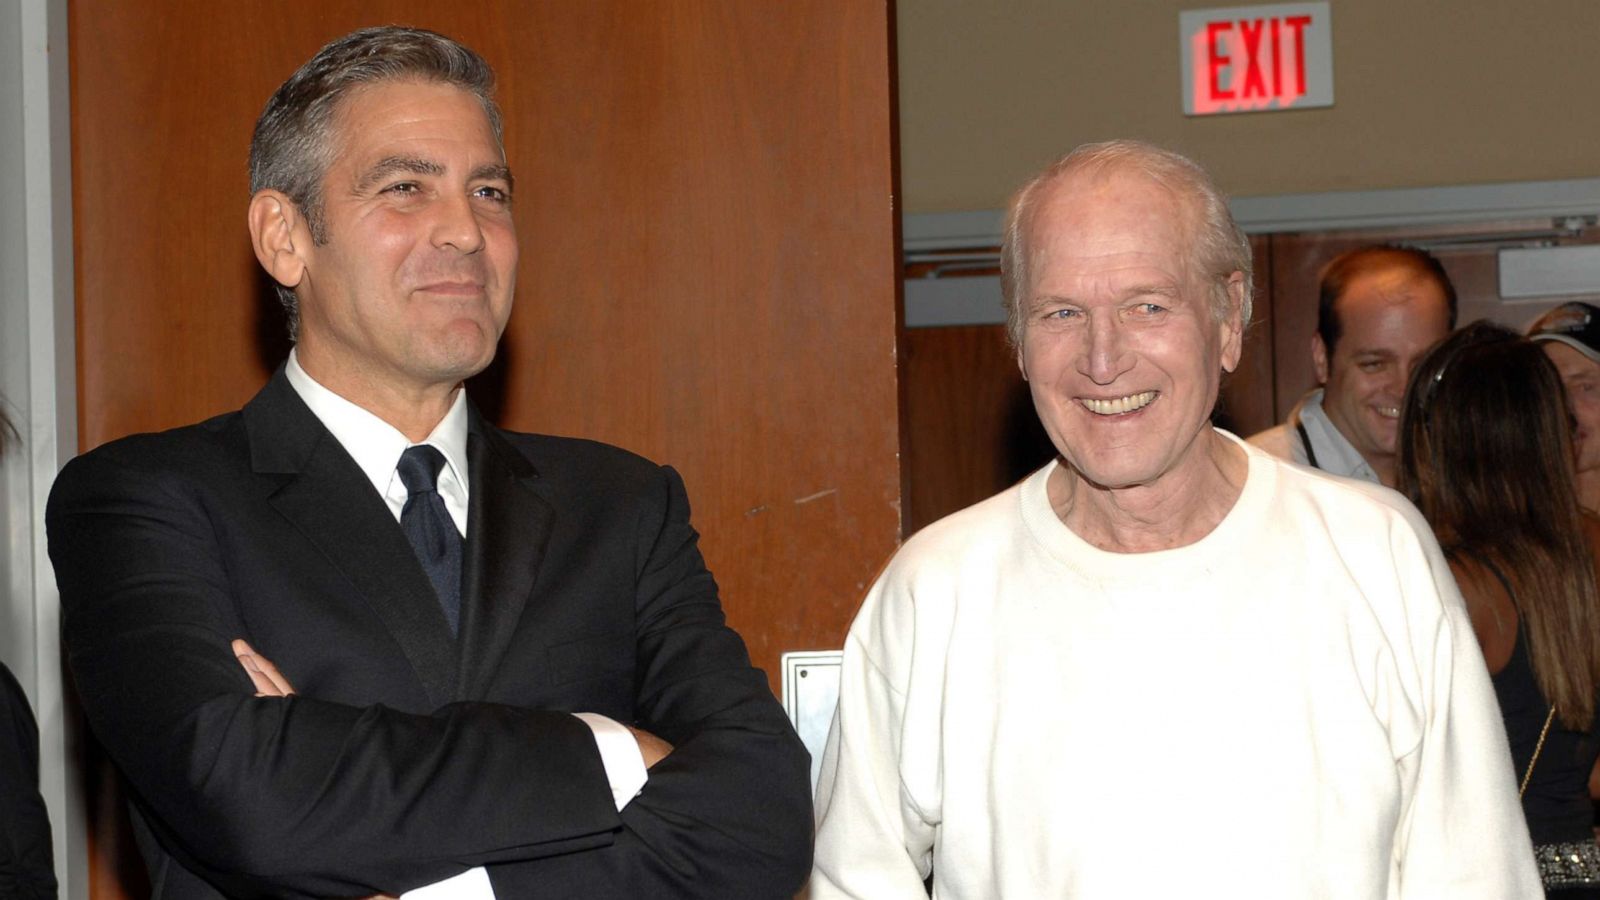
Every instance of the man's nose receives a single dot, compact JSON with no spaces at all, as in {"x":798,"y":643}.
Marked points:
{"x":1106,"y":354}
{"x":456,"y":225}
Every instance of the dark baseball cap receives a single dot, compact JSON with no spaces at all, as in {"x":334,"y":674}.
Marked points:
{"x":1575,"y":324}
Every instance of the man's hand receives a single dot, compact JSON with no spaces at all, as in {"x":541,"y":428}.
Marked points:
{"x":270,"y":682}
{"x":263,"y":674}
{"x":652,"y":748}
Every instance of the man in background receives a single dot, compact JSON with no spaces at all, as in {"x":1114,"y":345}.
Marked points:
{"x":501,"y":666}
{"x":1378,"y":310}
{"x":1570,"y":334}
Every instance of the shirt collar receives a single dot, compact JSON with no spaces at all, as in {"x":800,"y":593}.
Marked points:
{"x":374,"y":444}
{"x":1335,"y":454}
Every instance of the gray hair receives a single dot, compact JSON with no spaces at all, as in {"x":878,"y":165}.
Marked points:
{"x":292,"y":145}
{"x":1219,"y":248}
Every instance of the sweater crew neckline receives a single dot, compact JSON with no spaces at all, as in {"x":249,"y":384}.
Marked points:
{"x":1223,"y":542}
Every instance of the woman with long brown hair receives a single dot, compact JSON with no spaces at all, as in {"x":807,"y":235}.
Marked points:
{"x":1486,"y":454}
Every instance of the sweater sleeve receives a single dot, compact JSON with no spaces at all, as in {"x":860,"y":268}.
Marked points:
{"x":1461,"y":832}
{"x":873,"y":841}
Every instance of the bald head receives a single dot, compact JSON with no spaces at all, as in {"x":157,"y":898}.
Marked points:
{"x":1409,"y":268}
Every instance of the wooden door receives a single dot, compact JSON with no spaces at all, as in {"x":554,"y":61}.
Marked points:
{"x":706,"y":203}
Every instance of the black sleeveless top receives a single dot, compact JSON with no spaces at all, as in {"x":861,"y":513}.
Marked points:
{"x":1556,"y":803}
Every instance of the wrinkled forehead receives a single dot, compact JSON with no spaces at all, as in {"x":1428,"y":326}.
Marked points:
{"x":1103,"y":214}
{"x":403,"y":106}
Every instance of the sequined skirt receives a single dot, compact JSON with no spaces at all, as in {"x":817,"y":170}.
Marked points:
{"x":1568,"y":865}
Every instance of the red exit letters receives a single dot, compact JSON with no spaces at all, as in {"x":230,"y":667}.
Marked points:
{"x":1246,"y":58}
{"x":1258,"y":48}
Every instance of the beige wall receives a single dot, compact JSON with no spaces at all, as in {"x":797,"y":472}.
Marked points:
{"x":1426,"y":94}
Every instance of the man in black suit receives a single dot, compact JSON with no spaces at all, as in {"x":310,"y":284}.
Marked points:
{"x":514,"y":678}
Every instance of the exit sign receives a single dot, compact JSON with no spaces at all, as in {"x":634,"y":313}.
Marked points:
{"x":1256,"y":58}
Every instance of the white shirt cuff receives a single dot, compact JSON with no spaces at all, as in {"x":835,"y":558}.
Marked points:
{"x":620,"y":754}
{"x":473,"y":884}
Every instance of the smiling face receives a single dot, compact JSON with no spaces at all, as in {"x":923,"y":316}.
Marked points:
{"x":1580,"y":375}
{"x":1389,"y":317}
{"x":413,"y":285}
{"x":1120,"y":345}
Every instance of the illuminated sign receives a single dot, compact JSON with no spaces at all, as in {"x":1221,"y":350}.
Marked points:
{"x":1256,"y":58}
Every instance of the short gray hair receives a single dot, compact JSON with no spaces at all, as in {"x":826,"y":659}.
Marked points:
{"x":1219,"y":247}
{"x":292,"y":145}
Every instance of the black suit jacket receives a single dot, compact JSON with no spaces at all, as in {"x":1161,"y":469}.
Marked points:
{"x":408,"y":755}
{"x":27,"y":867}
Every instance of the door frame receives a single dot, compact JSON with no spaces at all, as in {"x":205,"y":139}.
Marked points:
{"x":38,"y":380}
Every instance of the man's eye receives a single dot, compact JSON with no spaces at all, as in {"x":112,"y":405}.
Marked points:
{"x":1149,"y":309}
{"x":403,"y":187}
{"x":1062,"y":314}
{"x":1371,"y":365}
{"x":497,"y":195}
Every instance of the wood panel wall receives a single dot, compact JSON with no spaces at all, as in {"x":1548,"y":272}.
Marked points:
{"x":970,"y":426}
{"x":708,"y":277}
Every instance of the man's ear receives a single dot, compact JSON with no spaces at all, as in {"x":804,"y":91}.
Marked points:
{"x":279,"y":236}
{"x":1319,"y":358}
{"x":1233,"y":325}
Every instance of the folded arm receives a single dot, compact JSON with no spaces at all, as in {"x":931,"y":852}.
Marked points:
{"x":474,"y":883}
{"x":307,"y":796}
{"x":299,"y":795}
{"x":728,"y":812}
{"x":270,"y":682}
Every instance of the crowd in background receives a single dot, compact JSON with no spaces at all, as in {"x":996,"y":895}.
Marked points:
{"x":1495,"y":437}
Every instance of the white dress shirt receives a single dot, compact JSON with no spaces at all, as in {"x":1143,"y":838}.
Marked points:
{"x":376,"y":446}
{"x":1335,"y":454}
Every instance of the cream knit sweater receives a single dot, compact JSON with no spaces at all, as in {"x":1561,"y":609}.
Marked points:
{"x":1293,"y":706}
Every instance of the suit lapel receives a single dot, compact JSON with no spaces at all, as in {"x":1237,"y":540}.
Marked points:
{"x":326,"y":496}
{"x":508,"y":526}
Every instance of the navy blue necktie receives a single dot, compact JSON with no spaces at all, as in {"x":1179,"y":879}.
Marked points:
{"x":430,"y":529}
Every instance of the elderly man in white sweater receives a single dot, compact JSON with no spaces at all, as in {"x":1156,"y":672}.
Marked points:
{"x":1166,"y":664}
